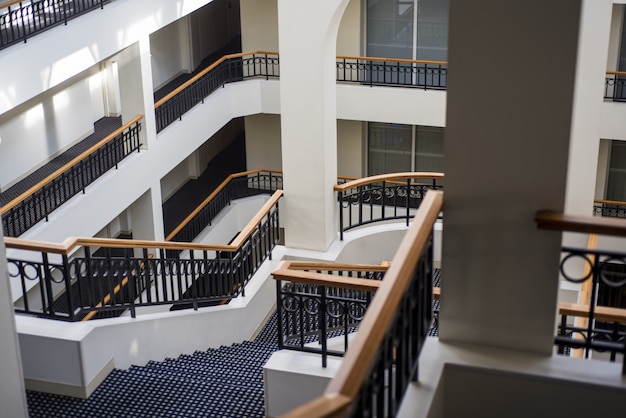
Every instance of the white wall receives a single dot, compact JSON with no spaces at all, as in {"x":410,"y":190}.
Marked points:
{"x":37,"y":131}
{"x":130,"y":81}
{"x":391,"y":104}
{"x":12,"y":394}
{"x":615,"y":37}
{"x":170,"y":48}
{"x":68,"y":50}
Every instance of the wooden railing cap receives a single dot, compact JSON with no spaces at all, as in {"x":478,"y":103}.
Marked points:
{"x":557,"y":221}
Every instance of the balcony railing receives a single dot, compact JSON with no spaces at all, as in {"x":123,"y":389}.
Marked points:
{"x":38,"y":202}
{"x":228,"y":69}
{"x":393,"y":72}
{"x":615,"y":86}
{"x":22,"y":19}
{"x":383,"y":197}
{"x":384,"y":355}
{"x":69,"y":281}
{"x":599,"y":268}
{"x":609,"y":208}
{"x":316,"y":302}
{"x":235,"y":186}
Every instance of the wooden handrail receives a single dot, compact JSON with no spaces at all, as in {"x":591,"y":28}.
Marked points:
{"x":67,"y":166}
{"x":330,"y":266}
{"x":347,"y":382}
{"x":601,"y":313}
{"x":294,"y":272}
{"x":219,"y":188}
{"x":402,"y":60}
{"x":205,"y":71}
{"x":384,"y":304}
{"x":69,"y":244}
{"x":575,"y":223}
{"x":10,"y":3}
{"x":388,"y":178}
{"x":609,"y":202}
{"x":616,"y":73}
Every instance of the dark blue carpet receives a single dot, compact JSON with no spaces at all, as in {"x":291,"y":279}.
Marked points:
{"x":224,"y":382}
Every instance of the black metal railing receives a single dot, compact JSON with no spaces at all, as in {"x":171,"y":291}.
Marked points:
{"x":598,"y":335}
{"x":309,"y":315}
{"x":234,"y":187}
{"x":381,"y":198}
{"x":20,"y":20}
{"x":228,"y":69}
{"x":396,"y":361}
{"x":393,"y":72}
{"x":57,"y":286}
{"x":42,"y":199}
{"x":610,"y":209}
{"x":615,"y":86}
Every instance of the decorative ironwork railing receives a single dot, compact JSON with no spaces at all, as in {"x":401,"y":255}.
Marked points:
{"x":57,"y":282}
{"x":22,"y":19}
{"x":393,"y":72}
{"x":615,"y":86}
{"x":582,"y":265}
{"x":384,"y":354}
{"x":609,"y":208}
{"x":383,"y":197}
{"x":229,"y":68}
{"x":319,"y":301}
{"x":235,"y":186}
{"x":42,"y":199}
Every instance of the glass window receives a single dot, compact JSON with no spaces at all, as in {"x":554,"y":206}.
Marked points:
{"x":428,"y":149}
{"x":396,"y":148}
{"x":616,"y":184}
{"x":389,"y":148}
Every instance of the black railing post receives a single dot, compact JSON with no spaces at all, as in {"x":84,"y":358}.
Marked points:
{"x":323,"y":326}
{"x":279,"y":315}
{"x":382,"y":200}
{"x":132,"y":286}
{"x":408,"y":202}
{"x":341,"y":215}
{"x":194,"y":281}
{"x":47,"y":278}
{"x":68,"y":287}
{"x":65,"y":5}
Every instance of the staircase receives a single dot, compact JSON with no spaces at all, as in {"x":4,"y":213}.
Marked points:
{"x":221,"y":382}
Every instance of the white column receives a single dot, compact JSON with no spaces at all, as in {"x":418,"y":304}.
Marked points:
{"x":584,"y":151}
{"x":12,"y":392}
{"x":307,"y":38}
{"x":509,"y":118}
{"x":595,"y":31}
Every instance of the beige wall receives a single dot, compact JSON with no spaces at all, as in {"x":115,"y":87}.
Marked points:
{"x":259,"y":27}
{"x":349,"y":37}
{"x":350,"y":148}
{"x":263,"y":142}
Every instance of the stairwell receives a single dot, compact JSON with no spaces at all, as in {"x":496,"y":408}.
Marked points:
{"x":221,"y":382}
